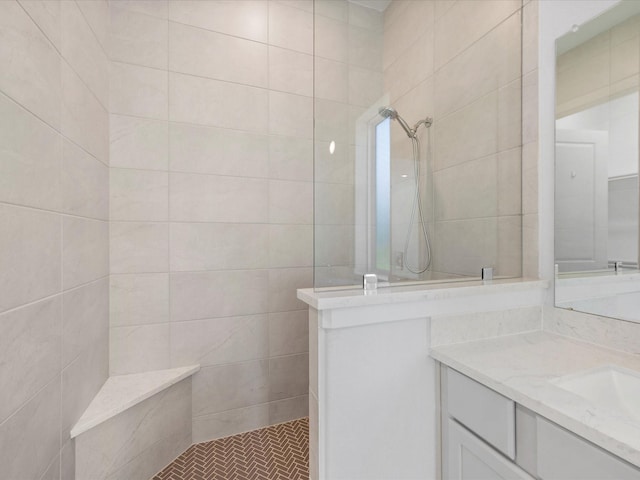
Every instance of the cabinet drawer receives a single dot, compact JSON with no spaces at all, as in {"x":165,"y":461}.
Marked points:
{"x":562,"y":454}
{"x":472,"y":459}
{"x":483,"y":411}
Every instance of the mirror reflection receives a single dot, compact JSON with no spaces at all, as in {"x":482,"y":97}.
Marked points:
{"x":596,"y":177}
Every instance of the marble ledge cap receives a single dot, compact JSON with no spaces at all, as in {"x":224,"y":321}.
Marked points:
{"x":355,"y":297}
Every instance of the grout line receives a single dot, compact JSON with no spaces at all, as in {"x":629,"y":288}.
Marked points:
{"x":168,"y":146}
{"x":102,"y":47}
{"x":52,"y":212}
{"x":261,"y":404}
{"x":48,"y":125}
{"x":51,"y":296}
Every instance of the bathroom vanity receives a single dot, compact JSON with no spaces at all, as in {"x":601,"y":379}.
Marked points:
{"x":459,"y":381}
{"x":537,"y":405}
{"x":373,"y":388}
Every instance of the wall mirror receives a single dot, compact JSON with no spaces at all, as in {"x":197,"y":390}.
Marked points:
{"x":596,"y":165}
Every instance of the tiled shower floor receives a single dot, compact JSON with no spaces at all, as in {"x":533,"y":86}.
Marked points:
{"x":279,"y":452}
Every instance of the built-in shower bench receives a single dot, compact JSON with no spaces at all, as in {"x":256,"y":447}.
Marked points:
{"x":135,"y":425}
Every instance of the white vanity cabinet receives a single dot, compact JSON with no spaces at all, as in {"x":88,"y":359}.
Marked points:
{"x":478,"y":430}
{"x":486,"y":436}
{"x":561,"y":454}
{"x":470,"y":458}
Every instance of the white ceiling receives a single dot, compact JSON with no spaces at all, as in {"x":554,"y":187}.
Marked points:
{"x":379,"y":5}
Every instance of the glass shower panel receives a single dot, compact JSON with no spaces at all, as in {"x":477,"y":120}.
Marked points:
{"x":418,"y":141}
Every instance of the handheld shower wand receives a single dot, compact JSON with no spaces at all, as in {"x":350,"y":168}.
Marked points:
{"x":389,"y":112}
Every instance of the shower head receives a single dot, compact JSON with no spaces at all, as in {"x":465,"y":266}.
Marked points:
{"x":389,"y":112}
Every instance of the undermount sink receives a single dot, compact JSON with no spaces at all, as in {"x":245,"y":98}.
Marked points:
{"x":608,"y":387}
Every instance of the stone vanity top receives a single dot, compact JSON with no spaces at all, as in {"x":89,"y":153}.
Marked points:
{"x":356,"y":297}
{"x":521,"y":367}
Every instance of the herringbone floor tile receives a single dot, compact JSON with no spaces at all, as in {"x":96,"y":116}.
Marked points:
{"x":280,"y":452}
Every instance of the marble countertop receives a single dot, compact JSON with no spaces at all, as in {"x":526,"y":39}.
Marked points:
{"x":521,"y":367}
{"x":346,"y":298}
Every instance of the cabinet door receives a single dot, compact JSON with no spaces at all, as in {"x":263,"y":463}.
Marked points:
{"x":472,"y":459}
{"x":561,"y":454}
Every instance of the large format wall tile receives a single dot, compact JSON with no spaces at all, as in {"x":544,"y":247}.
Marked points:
{"x":30,"y":261}
{"x":36,"y":423}
{"x":139,"y":348}
{"x":403,"y":24}
{"x":331,"y":80}
{"x":230,"y":422}
{"x":365,"y":49}
{"x":84,"y":120}
{"x":81,"y":381}
{"x":220,"y":151}
{"x":290,"y":158}
{"x":85,"y":319}
{"x":290,"y":202}
{"x":34,"y":77}
{"x":218,"y":246}
{"x":283,"y":283}
{"x":331,"y":38}
{"x":364,"y":17}
{"x":30,"y":160}
{"x":30,"y":345}
{"x":54,"y":237}
{"x":236,"y":141}
{"x":138,"y":91}
{"x":219,"y":104}
{"x":138,"y":195}
{"x":213,"y":198}
{"x":490,"y":63}
{"x":290,"y":27}
{"x":85,"y":251}
{"x":247,"y":19}
{"x":209,"y":54}
{"x":220,"y":388}
{"x":96,"y":13}
{"x":465,"y":123}
{"x":465,"y":246}
{"x":288,"y":332}
{"x":216,"y":341}
{"x":85,"y":183}
{"x":469,"y":190}
{"x":138,"y":299}
{"x":138,"y":143}
{"x":290,"y":71}
{"x":46,"y":15}
{"x":156,"y":8}
{"x":290,"y":246}
{"x":288,"y":376}
{"x":137,"y":38}
{"x":467,"y":21}
{"x":139,"y":247}
{"x":218,"y":294}
{"x":290,"y":115}
{"x":81,"y":49}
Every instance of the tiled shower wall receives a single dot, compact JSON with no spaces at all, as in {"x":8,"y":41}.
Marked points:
{"x":54,"y":209}
{"x":348,"y":81}
{"x":211,"y":202}
{"x":460,"y":62}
